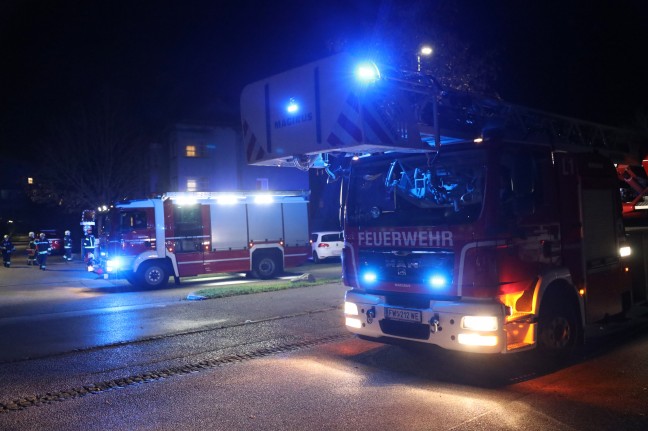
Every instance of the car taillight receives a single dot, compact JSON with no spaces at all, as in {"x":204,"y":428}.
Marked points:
{"x":322,"y":244}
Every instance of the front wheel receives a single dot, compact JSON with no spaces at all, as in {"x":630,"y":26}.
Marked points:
{"x":557,"y":329}
{"x":316,"y":258}
{"x":154,"y":275}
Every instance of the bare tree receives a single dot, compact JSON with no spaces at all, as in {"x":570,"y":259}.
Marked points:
{"x":93,"y":156}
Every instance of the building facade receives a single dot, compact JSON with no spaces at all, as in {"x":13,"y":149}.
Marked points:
{"x":211,"y":158}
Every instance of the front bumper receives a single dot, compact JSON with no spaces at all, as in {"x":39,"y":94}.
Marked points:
{"x":441,"y":324}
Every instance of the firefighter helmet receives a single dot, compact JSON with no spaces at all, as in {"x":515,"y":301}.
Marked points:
{"x":67,"y":232}
{"x":32,"y":234}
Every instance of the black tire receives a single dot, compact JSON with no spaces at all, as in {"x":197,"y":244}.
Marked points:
{"x":558,"y":330}
{"x":266,"y":266}
{"x":153,"y":275}
{"x":316,"y":258}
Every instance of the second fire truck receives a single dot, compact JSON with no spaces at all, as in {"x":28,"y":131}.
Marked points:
{"x":193,"y":233}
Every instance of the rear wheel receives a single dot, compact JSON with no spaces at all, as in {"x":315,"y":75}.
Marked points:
{"x":153,"y":274}
{"x":266,"y":266}
{"x":316,"y":258}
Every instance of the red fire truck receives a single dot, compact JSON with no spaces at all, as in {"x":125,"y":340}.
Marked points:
{"x":469,"y":223}
{"x":188,"y":234}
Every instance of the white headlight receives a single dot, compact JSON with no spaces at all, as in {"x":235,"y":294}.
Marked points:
{"x":113,"y":264}
{"x":479,"y":323}
{"x":477,"y":340}
{"x":350,"y":308}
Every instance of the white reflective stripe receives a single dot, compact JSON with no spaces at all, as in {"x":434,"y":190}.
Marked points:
{"x":227,"y":260}
{"x":190,"y":262}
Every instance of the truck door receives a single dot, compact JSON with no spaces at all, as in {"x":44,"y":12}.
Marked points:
{"x":189,"y":238}
{"x":603,"y":271}
{"x":591,"y":231}
{"x":136,"y":230}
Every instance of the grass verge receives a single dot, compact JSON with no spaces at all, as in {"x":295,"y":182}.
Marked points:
{"x":246,"y":289}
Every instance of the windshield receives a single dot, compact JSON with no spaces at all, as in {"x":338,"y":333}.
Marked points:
{"x":119,"y":221}
{"x":417,"y":190}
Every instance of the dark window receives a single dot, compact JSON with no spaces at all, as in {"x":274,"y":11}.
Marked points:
{"x":188,"y":228}
{"x":132,"y":220}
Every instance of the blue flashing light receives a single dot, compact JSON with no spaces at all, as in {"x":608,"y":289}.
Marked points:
{"x":367,"y":73}
{"x":293,"y":106}
{"x":438,"y":281}
{"x":369,"y":276}
{"x":114,"y":264}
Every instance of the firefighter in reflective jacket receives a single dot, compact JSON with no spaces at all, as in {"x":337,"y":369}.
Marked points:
{"x":31,"y":249}
{"x":67,"y":246}
{"x":88,"y":249}
{"x":43,"y":248}
{"x":7,"y":248}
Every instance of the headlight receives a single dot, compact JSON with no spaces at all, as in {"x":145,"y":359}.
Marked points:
{"x":350,"y":308}
{"x":625,"y":251}
{"x":477,"y":340}
{"x":113,"y":264}
{"x":479,"y":323}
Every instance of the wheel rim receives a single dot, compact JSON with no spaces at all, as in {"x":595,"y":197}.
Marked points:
{"x":266,"y":267}
{"x":557,"y":334}
{"x":153,"y":276}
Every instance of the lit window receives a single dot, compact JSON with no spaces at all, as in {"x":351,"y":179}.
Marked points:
{"x":191,"y":151}
{"x":192,"y":185}
{"x":30,"y":180}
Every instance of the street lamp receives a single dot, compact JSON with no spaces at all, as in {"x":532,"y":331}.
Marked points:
{"x":425,"y":51}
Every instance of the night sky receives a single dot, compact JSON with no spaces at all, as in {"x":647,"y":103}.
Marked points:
{"x":183,"y":60}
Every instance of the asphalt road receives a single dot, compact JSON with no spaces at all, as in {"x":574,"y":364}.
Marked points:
{"x":283,"y":361}
{"x":37,"y":307}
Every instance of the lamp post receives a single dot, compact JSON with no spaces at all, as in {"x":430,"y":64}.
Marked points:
{"x":425,"y":51}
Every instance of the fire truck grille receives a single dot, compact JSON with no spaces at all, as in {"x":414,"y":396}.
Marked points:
{"x":417,"y":331}
{"x":414,"y":267}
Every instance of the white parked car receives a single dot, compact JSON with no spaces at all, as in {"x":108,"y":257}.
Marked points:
{"x":327,"y":244}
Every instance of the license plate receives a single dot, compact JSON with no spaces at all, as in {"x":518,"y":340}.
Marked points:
{"x":403,"y":315}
